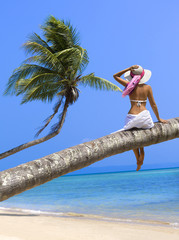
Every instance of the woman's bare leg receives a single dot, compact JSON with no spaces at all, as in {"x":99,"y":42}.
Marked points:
{"x":142,"y":154}
{"x":140,"y":159}
{"x":136,"y":152}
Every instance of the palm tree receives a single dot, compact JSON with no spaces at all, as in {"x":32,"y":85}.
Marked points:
{"x":54,"y":71}
{"x":26,"y":176}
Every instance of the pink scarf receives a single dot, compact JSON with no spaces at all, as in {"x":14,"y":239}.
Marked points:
{"x":132,"y":84}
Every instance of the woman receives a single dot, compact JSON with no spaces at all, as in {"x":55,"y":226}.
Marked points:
{"x":138,"y":116}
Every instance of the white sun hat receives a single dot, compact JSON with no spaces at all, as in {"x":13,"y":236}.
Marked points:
{"x":138,"y":71}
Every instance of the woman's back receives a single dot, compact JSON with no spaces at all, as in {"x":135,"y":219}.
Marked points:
{"x":138,"y":98}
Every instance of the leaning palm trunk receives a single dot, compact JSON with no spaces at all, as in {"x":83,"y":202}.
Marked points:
{"x":40,"y":140}
{"x":26,"y":176}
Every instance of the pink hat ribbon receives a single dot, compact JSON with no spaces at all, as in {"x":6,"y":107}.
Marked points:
{"x":141,"y":75}
{"x":133,"y":83}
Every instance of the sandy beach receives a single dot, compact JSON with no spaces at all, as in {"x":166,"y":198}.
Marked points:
{"x":22,"y":226}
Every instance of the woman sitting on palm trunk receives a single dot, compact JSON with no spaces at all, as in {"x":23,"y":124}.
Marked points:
{"x":138,"y":116}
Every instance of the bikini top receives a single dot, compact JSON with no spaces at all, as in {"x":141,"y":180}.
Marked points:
{"x":138,"y":102}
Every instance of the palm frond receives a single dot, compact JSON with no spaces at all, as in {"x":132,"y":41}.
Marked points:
{"x":44,"y":92}
{"x":25,"y":70}
{"x":39,"y":79}
{"x":36,"y":48}
{"x":34,"y":37}
{"x":98,"y":83}
{"x":84,"y":60}
{"x":71,"y":60}
{"x":57,"y":34}
{"x":43,"y":61}
{"x":73,"y":33}
{"x":66,"y":53}
{"x":62,"y":93}
{"x":64,"y":39}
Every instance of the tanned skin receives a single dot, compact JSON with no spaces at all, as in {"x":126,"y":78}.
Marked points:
{"x":141,"y":92}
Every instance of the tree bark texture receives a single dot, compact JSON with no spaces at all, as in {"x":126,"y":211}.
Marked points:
{"x":29,"y":175}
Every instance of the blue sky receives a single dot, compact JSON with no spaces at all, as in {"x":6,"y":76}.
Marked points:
{"x":116,"y":34}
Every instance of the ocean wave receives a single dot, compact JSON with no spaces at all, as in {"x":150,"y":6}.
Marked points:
{"x":30,"y":211}
{"x":174,"y":225}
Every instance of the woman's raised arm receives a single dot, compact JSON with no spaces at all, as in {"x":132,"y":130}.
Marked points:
{"x":119,"y":79}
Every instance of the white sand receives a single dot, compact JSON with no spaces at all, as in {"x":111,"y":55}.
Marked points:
{"x":22,"y":226}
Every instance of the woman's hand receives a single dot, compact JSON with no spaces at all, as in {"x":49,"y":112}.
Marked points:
{"x":163,"y":121}
{"x":134,"y":67}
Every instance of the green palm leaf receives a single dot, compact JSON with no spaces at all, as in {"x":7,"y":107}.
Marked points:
{"x":73,"y":33}
{"x":57,"y":34}
{"x":41,"y":60}
{"x":36,"y":48}
{"x":65,"y":54}
{"x":84,"y":60}
{"x":44,"y":92}
{"x":25,"y":70}
{"x":36,"y":38}
{"x":70,"y":58}
{"x":26,"y":84}
{"x":99,"y":83}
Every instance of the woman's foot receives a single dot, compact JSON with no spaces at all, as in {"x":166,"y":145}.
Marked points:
{"x":140,"y":160}
{"x":139,"y":165}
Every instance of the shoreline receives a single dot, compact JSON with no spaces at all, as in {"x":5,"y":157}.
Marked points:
{"x":25,"y":226}
{"x":75,"y":215}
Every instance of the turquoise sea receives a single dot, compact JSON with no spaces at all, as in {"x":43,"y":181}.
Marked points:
{"x":149,"y":196}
